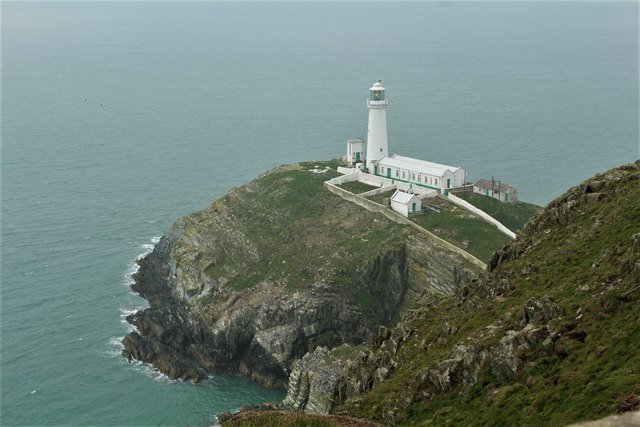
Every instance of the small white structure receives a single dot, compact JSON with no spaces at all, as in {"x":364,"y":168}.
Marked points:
{"x":496,"y":190}
{"x":405,"y":203}
{"x":426,"y":174}
{"x":355,"y":151}
{"x":377,"y":131}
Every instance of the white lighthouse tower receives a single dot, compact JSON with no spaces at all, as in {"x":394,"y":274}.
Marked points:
{"x":377,"y":132}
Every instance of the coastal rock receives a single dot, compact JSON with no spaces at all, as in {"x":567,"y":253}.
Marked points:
{"x":273,"y":270}
{"x":313,"y":381}
{"x":463,"y":366}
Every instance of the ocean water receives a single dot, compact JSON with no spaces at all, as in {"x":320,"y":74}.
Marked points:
{"x":118,"y":118}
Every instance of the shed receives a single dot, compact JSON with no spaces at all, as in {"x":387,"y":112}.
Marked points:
{"x":355,"y":151}
{"x":405,"y":203}
{"x":496,"y":190}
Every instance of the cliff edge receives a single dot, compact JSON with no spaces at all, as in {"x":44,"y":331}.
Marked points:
{"x":273,"y":270}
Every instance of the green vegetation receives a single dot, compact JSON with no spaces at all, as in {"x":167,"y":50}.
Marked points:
{"x":583,"y":254}
{"x":357,"y":187}
{"x":291,"y":219}
{"x":463,"y":229}
{"x":511,"y":215}
{"x":291,"y":419}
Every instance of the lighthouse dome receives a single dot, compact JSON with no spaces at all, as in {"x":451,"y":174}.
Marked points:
{"x":377,"y":86}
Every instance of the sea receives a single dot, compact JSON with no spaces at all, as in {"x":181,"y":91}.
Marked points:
{"x":120,"y":117}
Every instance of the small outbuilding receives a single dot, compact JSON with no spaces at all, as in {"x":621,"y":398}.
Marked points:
{"x":355,"y":151}
{"x":405,"y":203}
{"x":496,"y":190}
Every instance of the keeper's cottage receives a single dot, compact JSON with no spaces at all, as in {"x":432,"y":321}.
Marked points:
{"x":377,"y":161}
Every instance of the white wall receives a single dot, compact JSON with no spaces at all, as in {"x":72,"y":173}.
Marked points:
{"x":358,"y":175}
{"x":406,"y":209}
{"x":376,"y":136}
{"x":482,"y":214}
{"x":433,"y":181}
{"x":401,"y":208}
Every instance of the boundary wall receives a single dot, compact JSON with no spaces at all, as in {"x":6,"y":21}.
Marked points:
{"x":396,"y":217}
{"x":350,"y":175}
{"x":482,"y":214}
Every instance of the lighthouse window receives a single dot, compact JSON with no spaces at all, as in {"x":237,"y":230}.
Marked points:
{"x":403,"y":175}
{"x":397,"y":173}
{"x":377,"y":95}
{"x":436,"y":181}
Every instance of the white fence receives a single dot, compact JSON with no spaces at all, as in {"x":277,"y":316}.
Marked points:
{"x":482,"y":214}
{"x":357,"y":175}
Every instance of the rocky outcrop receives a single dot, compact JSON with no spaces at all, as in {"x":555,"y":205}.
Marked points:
{"x":254,"y":282}
{"x":462,"y":366}
{"x":312,"y":383}
{"x":324,"y":379}
{"x":630,"y":419}
{"x":565,"y":209}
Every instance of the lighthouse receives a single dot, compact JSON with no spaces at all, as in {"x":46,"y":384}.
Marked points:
{"x":377,"y":132}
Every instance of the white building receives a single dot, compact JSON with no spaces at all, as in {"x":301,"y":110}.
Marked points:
{"x":355,"y":151}
{"x":405,"y":203}
{"x":420,"y":172}
{"x":377,"y":130}
{"x":496,"y":190}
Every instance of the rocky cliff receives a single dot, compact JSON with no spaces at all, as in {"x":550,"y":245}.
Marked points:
{"x":548,"y":336}
{"x":273,"y":270}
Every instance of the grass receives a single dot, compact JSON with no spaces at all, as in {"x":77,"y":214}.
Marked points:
{"x":285,"y":228}
{"x":356,"y":187}
{"x":463,"y":229}
{"x":511,"y":215}
{"x":290,"y":419}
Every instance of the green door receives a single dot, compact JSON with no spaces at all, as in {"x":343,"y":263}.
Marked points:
{"x":357,"y":156}
{"x":506,"y":197}
{"x":448,"y":183}
{"x":414,"y":207}
{"x":388,"y":172}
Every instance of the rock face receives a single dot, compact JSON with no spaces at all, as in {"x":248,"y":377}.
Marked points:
{"x":272,"y":271}
{"x":321,"y":381}
{"x":544,"y":320}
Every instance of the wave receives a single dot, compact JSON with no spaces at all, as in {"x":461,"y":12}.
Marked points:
{"x":124,"y":312}
{"x":115,"y":348}
{"x":133,"y":266}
